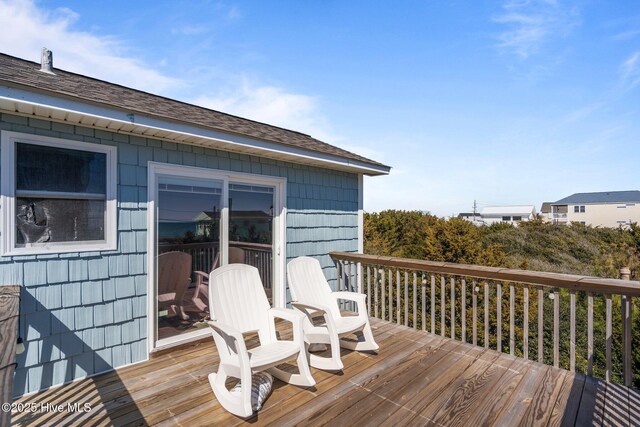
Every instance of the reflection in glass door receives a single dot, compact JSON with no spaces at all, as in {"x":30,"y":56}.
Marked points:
{"x":188,"y":248}
{"x":251,"y":213}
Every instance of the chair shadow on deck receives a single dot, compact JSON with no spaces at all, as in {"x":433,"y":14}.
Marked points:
{"x":594,"y":402}
{"x":68,"y":357}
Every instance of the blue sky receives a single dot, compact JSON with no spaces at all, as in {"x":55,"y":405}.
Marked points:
{"x":503,"y":102}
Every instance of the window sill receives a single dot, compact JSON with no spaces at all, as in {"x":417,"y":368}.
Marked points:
{"x":59,"y":249}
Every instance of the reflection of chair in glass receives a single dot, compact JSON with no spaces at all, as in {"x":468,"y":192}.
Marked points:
{"x":202,"y":286}
{"x":236,"y":256}
{"x":312,"y":295}
{"x":174,"y":271}
{"x":240,"y":306}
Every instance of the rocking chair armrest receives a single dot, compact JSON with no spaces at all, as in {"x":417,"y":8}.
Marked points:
{"x":286,"y":314}
{"x":226,"y":331}
{"x":201,"y":275}
{"x":292,"y":316}
{"x":350,"y":296}
{"x":306,"y":307}
{"x":358,"y":298}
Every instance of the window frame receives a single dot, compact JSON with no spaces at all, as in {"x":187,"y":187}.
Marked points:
{"x":8,"y":196}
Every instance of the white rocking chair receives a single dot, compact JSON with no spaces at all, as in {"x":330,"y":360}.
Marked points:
{"x":239,"y":305}
{"x":312,"y":295}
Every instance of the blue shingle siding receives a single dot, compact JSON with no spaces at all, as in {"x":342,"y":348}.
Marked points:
{"x":85,"y":313}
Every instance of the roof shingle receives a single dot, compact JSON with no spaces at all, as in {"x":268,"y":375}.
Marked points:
{"x":632,"y":196}
{"x":16,"y":71}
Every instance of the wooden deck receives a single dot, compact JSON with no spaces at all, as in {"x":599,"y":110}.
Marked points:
{"x":415,"y":379}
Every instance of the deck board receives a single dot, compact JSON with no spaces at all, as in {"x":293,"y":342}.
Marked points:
{"x":415,"y":378}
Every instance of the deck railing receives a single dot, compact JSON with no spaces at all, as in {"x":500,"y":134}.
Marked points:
{"x":514,"y":311}
{"x":203,"y":255}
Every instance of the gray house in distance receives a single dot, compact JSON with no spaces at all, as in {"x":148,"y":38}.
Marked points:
{"x":103,"y":193}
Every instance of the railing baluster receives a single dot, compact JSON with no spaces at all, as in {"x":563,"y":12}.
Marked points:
{"x":608,"y":338}
{"x":433,"y":304}
{"x":442,"y":305}
{"x":589,"y":333}
{"x":398,"y":306}
{"x":626,"y":339}
{"x":463,"y":307}
{"x":375,"y":291}
{"x":474,"y":299}
{"x":499,"y":317}
{"x":415,"y":299}
{"x":383,"y":293}
{"x":486,"y":314}
{"x":390,"y":296}
{"x":406,"y":298}
{"x":572,"y":338}
{"x":540,"y":325}
{"x":512,"y":309}
{"x":556,"y":327}
{"x":525,"y":324}
{"x":369,"y":299}
{"x":424,"y":300}
{"x":453,"y":308}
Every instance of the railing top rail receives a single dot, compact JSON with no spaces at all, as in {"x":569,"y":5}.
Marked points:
{"x":567,"y":281}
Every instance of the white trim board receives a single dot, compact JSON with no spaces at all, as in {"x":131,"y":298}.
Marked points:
{"x":156,"y":169}
{"x":8,"y":197}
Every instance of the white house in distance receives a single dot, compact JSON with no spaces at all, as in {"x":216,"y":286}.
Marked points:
{"x":602,"y":209}
{"x":509,"y":214}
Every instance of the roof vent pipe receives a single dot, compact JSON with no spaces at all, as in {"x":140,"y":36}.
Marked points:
{"x":46,"y":61}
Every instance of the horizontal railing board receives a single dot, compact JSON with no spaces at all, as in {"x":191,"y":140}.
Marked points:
{"x":559,"y":280}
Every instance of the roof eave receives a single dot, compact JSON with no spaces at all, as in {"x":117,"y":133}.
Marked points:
{"x":21,"y":101}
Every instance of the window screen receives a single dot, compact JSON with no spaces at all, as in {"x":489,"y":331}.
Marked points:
{"x":60,"y":195}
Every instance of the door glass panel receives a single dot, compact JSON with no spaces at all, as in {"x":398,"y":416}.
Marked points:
{"x":251,"y":229}
{"x":188,"y":246}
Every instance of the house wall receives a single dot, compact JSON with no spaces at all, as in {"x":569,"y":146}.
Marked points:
{"x":605,"y":215}
{"x":84,"y":313}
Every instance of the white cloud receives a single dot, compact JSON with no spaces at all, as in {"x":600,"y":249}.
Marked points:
{"x":272,"y":105}
{"x":530,"y":23}
{"x":229,"y":12}
{"x":25,"y":29}
{"x":630,"y":70}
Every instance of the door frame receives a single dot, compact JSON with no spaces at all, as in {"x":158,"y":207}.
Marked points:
{"x":279,"y":236}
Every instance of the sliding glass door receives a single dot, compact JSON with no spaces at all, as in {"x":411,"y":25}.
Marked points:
{"x":251,"y":229}
{"x":203,"y":219}
{"x":188,"y":248}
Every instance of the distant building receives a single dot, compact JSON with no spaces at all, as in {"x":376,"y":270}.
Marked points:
{"x":545,"y":209}
{"x":603,"y":209}
{"x":472,"y":217}
{"x":509,"y":214}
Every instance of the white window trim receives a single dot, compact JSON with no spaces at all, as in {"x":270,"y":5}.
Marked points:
{"x":8,"y":197}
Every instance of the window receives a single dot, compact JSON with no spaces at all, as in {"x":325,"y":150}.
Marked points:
{"x":578,"y":209}
{"x":58,"y":195}
{"x":506,"y":218}
{"x":517,"y":218}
